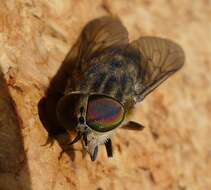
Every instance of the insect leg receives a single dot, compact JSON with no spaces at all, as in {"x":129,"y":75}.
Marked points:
{"x":76,"y":139}
{"x":85,"y":138}
{"x":131,"y":125}
{"x":109,"y":150}
{"x":94,"y":155}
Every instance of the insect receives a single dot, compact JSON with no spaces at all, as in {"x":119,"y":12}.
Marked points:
{"x":107,"y":77}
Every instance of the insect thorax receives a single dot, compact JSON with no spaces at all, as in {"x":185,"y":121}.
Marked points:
{"x":112,"y":73}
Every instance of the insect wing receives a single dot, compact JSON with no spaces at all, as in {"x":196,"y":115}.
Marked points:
{"x":160,"y":59}
{"x":97,"y":35}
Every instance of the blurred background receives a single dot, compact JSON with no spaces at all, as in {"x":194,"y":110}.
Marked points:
{"x":173,"y":152}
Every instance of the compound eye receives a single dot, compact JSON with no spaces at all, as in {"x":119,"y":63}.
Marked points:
{"x":66,"y":111}
{"x":104,"y":113}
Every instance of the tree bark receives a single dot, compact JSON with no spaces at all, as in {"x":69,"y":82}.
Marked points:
{"x":172,"y":152}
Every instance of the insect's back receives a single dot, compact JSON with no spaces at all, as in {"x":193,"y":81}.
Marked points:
{"x":112,"y":72}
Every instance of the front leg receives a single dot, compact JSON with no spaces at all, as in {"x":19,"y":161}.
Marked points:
{"x":109,"y":149}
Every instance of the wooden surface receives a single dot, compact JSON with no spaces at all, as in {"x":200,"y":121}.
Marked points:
{"x":174,"y":150}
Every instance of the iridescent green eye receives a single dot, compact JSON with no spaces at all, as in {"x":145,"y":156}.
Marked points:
{"x":103,"y":113}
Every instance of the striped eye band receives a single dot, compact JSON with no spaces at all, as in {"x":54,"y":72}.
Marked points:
{"x":103,"y":113}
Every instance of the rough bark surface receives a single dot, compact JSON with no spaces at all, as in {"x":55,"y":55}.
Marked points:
{"x":172,"y":152}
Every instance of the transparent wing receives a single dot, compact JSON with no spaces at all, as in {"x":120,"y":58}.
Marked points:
{"x":96,"y":36}
{"x":160,"y":59}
